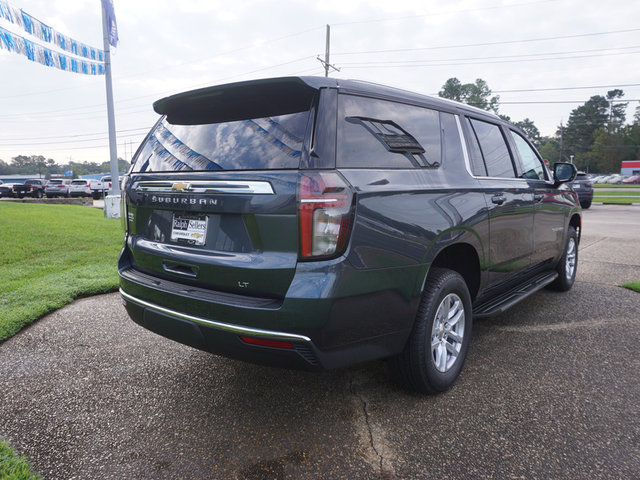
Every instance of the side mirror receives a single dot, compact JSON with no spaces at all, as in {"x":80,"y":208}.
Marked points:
{"x":564,"y":172}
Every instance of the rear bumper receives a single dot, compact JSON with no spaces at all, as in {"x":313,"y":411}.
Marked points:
{"x":325,"y":329}
{"x":223,"y":338}
{"x":584,"y":194}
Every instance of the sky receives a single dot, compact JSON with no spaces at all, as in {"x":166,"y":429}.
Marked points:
{"x":542,"y":57}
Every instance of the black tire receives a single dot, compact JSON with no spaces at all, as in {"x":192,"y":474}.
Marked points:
{"x":415,"y":367}
{"x":39,"y":194}
{"x":585,"y":204}
{"x":568,"y":264}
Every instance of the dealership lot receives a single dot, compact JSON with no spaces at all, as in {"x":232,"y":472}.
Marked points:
{"x":549,"y":390}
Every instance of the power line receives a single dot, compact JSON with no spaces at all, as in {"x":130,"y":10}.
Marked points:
{"x":493,"y":57}
{"x":486,"y":44}
{"x":435,"y":63}
{"x":624,"y":85}
{"x":76,"y":135}
{"x":559,"y":102}
{"x":448,"y":12}
{"x":64,"y":142}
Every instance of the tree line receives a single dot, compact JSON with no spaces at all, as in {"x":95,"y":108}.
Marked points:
{"x":597,"y":135}
{"x":37,"y":164}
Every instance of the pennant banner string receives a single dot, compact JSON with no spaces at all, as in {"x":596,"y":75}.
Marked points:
{"x":45,"y":56}
{"x":44,"y":32}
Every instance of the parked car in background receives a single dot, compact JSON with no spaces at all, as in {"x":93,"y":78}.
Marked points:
{"x":315,"y":223}
{"x":583,"y":186}
{"x":106,"y":183}
{"x":57,"y":188}
{"x":96,"y":187}
{"x":6,"y":190}
{"x":615,"y":179}
{"x":30,"y":188}
{"x":79,"y":188}
{"x":632,"y":180}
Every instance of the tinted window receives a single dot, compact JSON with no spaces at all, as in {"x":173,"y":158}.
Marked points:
{"x":531,"y":164}
{"x":494,"y":149}
{"x":254,"y":144}
{"x":475,"y":155}
{"x":381,"y":134}
{"x":450,"y":137}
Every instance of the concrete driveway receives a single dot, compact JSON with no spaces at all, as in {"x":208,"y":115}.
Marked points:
{"x":550,"y":390}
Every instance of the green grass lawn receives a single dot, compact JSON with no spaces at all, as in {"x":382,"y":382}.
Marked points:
{"x":52,"y":254}
{"x":617,"y":197}
{"x":635,"y":286}
{"x":606,"y":185}
{"x":13,"y":467}
{"x":635,"y":194}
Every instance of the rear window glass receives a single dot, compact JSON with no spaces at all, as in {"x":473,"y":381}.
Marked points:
{"x":255,"y":144}
{"x":376,"y":133}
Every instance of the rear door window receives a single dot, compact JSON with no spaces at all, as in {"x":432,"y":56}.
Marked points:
{"x":494,"y":149}
{"x":375,"y":133}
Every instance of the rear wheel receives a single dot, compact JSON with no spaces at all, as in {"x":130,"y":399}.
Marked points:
{"x":437,"y":347}
{"x":568,"y":264}
{"x":585,"y":204}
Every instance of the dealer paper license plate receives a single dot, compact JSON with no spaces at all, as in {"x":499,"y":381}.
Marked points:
{"x":190,"y":228}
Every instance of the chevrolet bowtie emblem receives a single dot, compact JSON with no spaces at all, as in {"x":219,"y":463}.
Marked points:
{"x":181,"y":187}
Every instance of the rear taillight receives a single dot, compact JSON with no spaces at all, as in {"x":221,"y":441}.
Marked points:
{"x":325,"y":211}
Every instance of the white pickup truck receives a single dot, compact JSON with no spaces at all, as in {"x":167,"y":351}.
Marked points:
{"x":99,"y":188}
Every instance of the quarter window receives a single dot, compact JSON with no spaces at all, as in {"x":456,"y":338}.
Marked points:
{"x":494,"y":149}
{"x":381,"y":134}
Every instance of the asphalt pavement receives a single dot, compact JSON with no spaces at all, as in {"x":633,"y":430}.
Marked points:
{"x":549,"y":391}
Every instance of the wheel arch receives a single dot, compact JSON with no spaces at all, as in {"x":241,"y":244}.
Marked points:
{"x":463,"y":259}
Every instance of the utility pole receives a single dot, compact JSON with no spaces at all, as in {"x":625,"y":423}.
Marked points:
{"x":561,"y":136}
{"x":327,"y":50}
{"x":326,"y":62}
{"x":111,"y":205}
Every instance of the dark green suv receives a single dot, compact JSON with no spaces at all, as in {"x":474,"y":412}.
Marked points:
{"x":315,"y":223}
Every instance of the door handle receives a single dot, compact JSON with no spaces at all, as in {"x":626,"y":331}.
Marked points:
{"x":498,"y":199}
